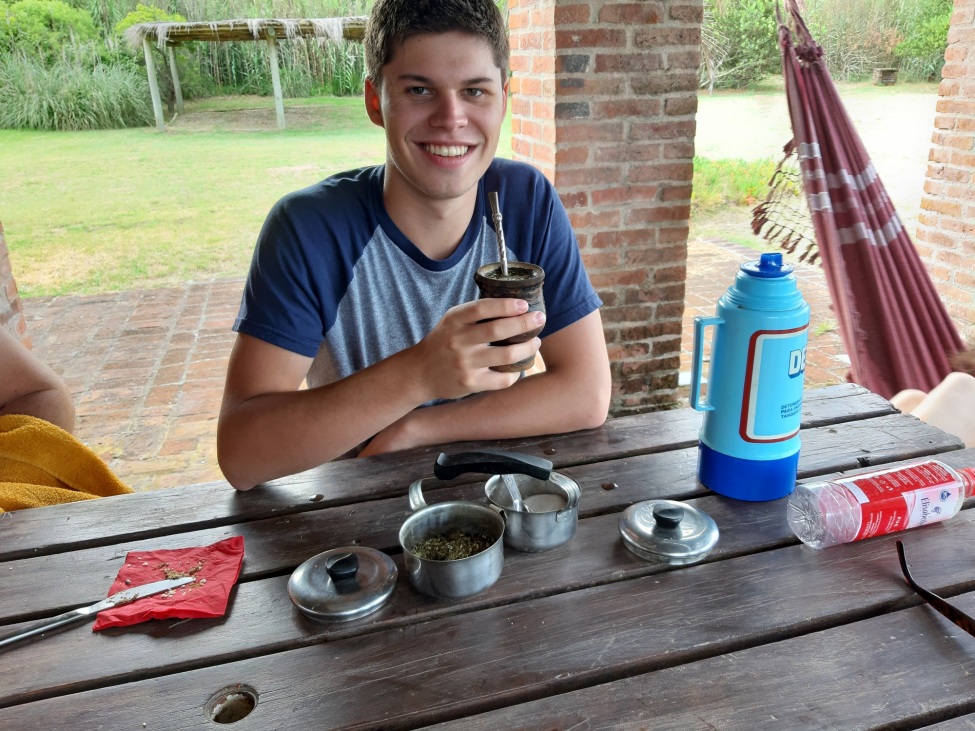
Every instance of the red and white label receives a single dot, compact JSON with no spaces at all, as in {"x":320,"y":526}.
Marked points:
{"x":904,"y":497}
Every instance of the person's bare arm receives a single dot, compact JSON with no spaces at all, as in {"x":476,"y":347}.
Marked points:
{"x":572,"y":393}
{"x":268,"y":428}
{"x":30,"y":387}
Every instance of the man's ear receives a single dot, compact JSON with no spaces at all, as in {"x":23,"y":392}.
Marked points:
{"x":504,"y":97}
{"x":373,"y":105}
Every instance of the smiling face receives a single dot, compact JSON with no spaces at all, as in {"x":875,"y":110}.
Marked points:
{"x":441,"y":102}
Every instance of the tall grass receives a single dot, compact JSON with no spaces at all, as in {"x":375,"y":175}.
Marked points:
{"x":68,"y":96}
{"x":719,"y":183}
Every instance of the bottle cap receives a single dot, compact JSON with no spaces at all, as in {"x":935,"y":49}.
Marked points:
{"x":769,"y":266}
{"x":968,"y":478}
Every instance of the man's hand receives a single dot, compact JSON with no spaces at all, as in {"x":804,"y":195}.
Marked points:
{"x":454,"y":360}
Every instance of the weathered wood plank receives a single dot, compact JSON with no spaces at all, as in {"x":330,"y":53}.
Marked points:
{"x":62,"y":662}
{"x":145,"y":515}
{"x":899,"y":670}
{"x":50,"y":584}
{"x":962,"y":723}
{"x":484,"y":660}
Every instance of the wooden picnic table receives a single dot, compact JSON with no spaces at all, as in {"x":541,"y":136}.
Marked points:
{"x":765,"y":633}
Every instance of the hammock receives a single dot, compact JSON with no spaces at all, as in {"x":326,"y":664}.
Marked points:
{"x":896,"y":330}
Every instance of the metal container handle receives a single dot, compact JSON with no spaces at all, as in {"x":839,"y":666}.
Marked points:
{"x":572,"y":501}
{"x":697,"y":362}
{"x":416,"y":496}
{"x":488,"y":462}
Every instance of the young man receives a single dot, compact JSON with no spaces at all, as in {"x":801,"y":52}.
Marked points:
{"x":364,"y":283}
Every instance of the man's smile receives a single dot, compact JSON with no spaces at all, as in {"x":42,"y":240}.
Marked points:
{"x":447,"y":150}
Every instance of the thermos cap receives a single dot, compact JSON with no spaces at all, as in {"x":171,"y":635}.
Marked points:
{"x":769,"y":266}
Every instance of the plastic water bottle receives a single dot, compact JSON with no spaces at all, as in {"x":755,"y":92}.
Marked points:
{"x":749,"y":440}
{"x":824,"y":514}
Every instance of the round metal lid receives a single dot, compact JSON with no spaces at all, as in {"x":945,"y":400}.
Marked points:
{"x":668,"y":531}
{"x":343,"y":583}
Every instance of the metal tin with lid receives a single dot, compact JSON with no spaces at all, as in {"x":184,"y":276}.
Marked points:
{"x":343,"y":583}
{"x":667,"y":531}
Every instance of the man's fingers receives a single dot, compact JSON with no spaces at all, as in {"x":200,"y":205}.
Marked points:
{"x":489,"y":309}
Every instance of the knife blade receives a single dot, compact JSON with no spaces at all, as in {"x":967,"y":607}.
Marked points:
{"x":75,"y":615}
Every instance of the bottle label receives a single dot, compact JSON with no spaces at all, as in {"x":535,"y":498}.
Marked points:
{"x":904,"y":497}
{"x":771,"y":408}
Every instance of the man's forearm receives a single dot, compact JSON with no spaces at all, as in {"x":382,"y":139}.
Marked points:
{"x":275,"y":434}
{"x":541,"y":404}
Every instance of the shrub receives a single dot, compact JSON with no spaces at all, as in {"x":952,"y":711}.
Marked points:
{"x":924,"y":24}
{"x":856,"y":35}
{"x":66,"y":96}
{"x":751,"y":33}
{"x":44,"y":27}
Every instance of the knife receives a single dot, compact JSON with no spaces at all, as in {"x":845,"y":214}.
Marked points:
{"x":123,"y":597}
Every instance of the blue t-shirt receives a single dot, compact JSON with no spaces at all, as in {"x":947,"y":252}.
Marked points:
{"x":333,"y":278}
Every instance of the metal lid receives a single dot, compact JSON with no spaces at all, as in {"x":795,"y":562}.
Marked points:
{"x":343,"y":583}
{"x":668,"y":531}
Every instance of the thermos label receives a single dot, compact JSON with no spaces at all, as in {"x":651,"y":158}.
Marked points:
{"x":772,"y":400}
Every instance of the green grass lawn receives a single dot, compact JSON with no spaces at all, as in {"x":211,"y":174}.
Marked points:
{"x":88,"y":212}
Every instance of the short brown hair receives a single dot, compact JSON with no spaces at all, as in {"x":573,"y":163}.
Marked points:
{"x":393,"y":21}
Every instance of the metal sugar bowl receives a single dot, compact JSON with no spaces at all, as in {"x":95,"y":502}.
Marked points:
{"x":539,"y":514}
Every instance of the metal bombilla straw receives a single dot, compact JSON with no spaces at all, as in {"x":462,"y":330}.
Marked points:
{"x":502,"y":249}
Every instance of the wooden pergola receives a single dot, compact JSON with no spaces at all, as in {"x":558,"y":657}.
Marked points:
{"x":270,"y":30}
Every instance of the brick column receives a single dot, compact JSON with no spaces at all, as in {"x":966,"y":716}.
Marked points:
{"x":604,"y":96}
{"x":11,"y":310}
{"x":946,"y":226}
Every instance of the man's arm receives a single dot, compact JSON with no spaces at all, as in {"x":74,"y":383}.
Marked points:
{"x":268,"y":428}
{"x":30,"y":387}
{"x":572,"y":393}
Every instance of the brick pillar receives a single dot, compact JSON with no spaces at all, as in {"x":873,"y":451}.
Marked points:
{"x":11,"y":310}
{"x":604,"y":96}
{"x":946,"y":226}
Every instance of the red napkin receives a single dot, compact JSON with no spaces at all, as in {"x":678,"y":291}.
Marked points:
{"x":215,"y":569}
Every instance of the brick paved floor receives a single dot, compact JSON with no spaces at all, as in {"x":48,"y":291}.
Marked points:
{"x":146,"y":367}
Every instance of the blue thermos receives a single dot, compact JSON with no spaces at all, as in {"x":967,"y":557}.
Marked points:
{"x":749,"y":441}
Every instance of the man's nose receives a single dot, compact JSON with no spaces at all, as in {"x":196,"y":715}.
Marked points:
{"x":450,"y":113}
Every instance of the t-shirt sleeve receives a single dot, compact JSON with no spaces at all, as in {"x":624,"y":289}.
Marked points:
{"x":281,"y":305}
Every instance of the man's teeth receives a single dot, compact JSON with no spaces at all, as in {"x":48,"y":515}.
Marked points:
{"x":445,"y":151}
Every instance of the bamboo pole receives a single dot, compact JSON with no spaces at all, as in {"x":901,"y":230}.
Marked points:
{"x":176,"y":87}
{"x":276,"y":77}
{"x":153,"y":86}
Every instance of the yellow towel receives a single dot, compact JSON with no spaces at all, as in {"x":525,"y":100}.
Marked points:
{"x":41,"y":464}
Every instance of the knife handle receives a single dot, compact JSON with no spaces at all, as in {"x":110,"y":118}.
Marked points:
{"x":449,"y":466}
{"x":41,"y":625}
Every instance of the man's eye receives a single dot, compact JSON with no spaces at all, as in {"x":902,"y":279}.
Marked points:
{"x":418,"y":90}
{"x":475,"y":92}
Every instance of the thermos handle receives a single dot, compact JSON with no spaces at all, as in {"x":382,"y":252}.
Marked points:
{"x":697,"y":361}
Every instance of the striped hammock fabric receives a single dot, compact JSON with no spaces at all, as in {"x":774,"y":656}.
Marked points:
{"x":896,"y":330}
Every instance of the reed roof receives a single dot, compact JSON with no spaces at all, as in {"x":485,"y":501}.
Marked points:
{"x":248,"y":29}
